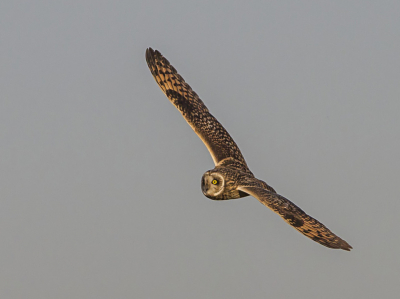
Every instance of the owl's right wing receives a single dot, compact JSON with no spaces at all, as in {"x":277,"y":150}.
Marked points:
{"x":297,"y":218}
{"x":217,"y":140}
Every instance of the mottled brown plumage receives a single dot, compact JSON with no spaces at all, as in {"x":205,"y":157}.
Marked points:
{"x":216,"y":138}
{"x":297,"y":218}
{"x":231,"y":177}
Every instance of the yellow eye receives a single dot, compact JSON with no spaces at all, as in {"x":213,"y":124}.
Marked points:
{"x":214,"y":182}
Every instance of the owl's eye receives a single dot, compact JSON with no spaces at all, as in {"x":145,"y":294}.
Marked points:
{"x":214,"y":182}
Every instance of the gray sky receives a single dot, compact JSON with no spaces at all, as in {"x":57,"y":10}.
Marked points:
{"x":100,"y":175}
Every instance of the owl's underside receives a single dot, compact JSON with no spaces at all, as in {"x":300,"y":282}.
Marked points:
{"x":231,"y":177}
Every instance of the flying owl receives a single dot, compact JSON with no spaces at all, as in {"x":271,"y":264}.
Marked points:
{"x":231,"y":178}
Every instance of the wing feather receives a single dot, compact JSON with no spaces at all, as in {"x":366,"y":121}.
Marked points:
{"x":297,"y":218}
{"x":217,"y":140}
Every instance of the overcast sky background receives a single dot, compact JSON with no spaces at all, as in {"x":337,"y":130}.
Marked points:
{"x":100,"y":175}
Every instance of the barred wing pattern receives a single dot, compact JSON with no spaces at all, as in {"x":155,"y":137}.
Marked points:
{"x":297,"y":218}
{"x":217,"y":140}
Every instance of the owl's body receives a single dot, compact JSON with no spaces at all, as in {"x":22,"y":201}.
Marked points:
{"x":231,"y":178}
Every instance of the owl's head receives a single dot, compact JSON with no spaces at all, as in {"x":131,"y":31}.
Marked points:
{"x":221,"y":183}
{"x":213,"y":184}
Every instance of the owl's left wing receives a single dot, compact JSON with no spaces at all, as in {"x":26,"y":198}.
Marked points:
{"x":297,"y":218}
{"x":217,"y":140}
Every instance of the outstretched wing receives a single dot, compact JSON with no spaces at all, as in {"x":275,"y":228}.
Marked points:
{"x":219,"y":143}
{"x":297,"y":218}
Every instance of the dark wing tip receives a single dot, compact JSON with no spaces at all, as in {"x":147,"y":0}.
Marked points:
{"x":335,"y":243}
{"x":149,"y":55}
{"x":155,"y":55}
{"x":345,"y":246}
{"x":149,"y":50}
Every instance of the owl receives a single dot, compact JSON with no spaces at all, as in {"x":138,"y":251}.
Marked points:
{"x":231,"y":178}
